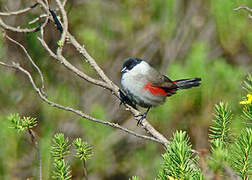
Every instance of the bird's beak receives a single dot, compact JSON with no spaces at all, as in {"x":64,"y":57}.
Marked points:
{"x":124,"y":70}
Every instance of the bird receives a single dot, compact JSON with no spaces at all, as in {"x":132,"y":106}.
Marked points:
{"x":144,"y":86}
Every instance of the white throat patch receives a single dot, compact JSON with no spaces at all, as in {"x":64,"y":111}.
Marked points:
{"x":141,"y":68}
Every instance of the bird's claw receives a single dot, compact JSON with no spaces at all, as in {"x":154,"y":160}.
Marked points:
{"x":140,"y":120}
{"x":143,"y":116}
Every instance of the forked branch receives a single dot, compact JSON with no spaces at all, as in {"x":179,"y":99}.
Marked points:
{"x":78,"y":112}
{"x":104,"y":81}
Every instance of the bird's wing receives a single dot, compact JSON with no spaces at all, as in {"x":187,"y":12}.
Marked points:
{"x":158,"y":80}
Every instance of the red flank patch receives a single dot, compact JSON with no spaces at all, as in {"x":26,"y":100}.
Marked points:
{"x":155,"y":90}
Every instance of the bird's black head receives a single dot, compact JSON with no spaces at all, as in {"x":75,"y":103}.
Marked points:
{"x":130,"y":63}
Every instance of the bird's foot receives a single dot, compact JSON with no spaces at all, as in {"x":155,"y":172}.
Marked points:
{"x":143,"y":116}
{"x":140,"y":120}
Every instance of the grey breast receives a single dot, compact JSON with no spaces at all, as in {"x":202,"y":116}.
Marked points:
{"x":136,"y":92}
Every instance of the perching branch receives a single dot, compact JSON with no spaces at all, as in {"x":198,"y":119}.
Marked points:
{"x":78,"y":112}
{"x":104,"y":82}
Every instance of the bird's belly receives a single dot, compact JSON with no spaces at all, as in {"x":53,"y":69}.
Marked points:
{"x":146,"y":99}
{"x":138,"y":94}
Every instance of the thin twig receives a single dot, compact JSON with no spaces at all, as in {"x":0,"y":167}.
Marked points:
{"x":30,"y":59}
{"x":37,"y":19}
{"x":105,"y":83}
{"x":114,"y":89}
{"x":18,"y":29}
{"x":75,"y":111}
{"x":91,"y":61}
{"x":84,"y":169}
{"x":44,"y":5}
{"x":43,"y":26}
{"x":65,"y":27}
{"x":245,"y":8}
{"x":64,"y":3}
{"x":18,"y":12}
{"x":34,"y":140}
{"x":72,"y":68}
{"x":47,"y":4}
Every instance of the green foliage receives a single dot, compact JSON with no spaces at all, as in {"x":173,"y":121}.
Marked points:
{"x":62,"y":170}
{"x":22,"y":124}
{"x":10,"y":144}
{"x":247,"y":114}
{"x":179,"y":161}
{"x":60,"y":149}
{"x":45,"y":142}
{"x":241,"y":154}
{"x":113,"y":37}
{"x":220,"y":130}
{"x":219,"y":134}
{"x":60,"y":43}
{"x":134,"y":178}
{"x":247,"y":84}
{"x":60,"y":146}
{"x":219,"y":155}
{"x":247,"y":109}
{"x":84,"y":150}
{"x":224,"y":154}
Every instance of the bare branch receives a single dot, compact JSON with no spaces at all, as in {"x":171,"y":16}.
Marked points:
{"x":38,"y":18}
{"x":23,"y":30}
{"x":45,"y":6}
{"x":84,"y":169}
{"x":105,"y":82}
{"x":72,"y":68}
{"x":35,"y":141}
{"x":43,"y":26}
{"x":75,"y":111}
{"x":65,"y":27}
{"x":92,"y":62}
{"x":43,"y":43}
{"x":64,"y":3}
{"x":18,"y":29}
{"x":245,"y":8}
{"x":115,"y":90}
{"x":30,"y":59}
{"x":22,"y":11}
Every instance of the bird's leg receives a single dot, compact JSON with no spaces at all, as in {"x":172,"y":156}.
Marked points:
{"x":142,"y":116}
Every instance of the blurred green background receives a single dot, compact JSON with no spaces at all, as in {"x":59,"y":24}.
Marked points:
{"x":181,"y":38}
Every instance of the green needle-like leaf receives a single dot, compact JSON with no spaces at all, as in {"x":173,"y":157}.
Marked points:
{"x":179,"y":161}
{"x":241,"y":159}
{"x":62,"y":170}
{"x":84,"y":150}
{"x":22,"y":124}
{"x":60,"y":147}
{"x":221,"y":124}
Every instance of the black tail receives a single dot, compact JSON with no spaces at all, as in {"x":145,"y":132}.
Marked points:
{"x":187,"y":83}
